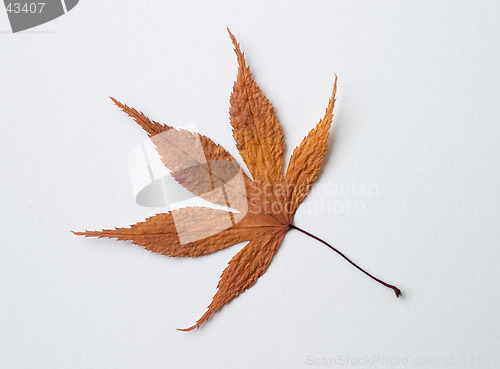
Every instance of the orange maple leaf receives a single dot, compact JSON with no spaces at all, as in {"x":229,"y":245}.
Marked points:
{"x":263,"y":206}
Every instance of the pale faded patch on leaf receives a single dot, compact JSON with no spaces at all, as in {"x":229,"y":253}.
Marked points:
{"x":196,"y":162}
{"x":159,"y":233}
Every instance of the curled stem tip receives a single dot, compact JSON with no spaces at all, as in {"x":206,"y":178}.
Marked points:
{"x":396,"y":290}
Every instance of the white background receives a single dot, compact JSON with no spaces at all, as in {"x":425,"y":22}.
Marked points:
{"x":417,"y":115}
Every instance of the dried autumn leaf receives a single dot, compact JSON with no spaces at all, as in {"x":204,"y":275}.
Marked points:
{"x":264,"y":206}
